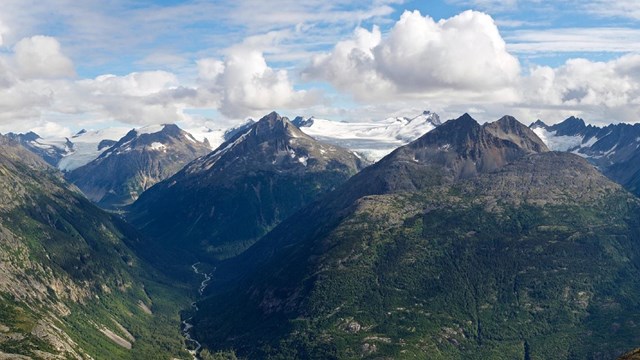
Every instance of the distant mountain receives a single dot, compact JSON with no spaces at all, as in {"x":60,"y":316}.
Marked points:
{"x":219,"y":134}
{"x":70,"y":286}
{"x":88,"y":145}
{"x":614,"y":149}
{"x":372,"y":139}
{"x":472,"y":242}
{"x":221,"y":203}
{"x":49,"y":151}
{"x":134,"y":163}
{"x":70,"y":153}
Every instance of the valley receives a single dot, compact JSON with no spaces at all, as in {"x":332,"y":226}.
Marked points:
{"x":320,"y":180}
{"x":193,"y":345}
{"x":472,"y":241}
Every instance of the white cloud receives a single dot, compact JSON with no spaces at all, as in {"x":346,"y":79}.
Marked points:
{"x":37,"y":89}
{"x":134,"y":84}
{"x":620,"y":8}
{"x":41,"y":57}
{"x":608,"y":39}
{"x":422,"y":58}
{"x":606,"y":91}
{"x":244,"y":84}
{"x":493,"y":5}
{"x":3,"y":31}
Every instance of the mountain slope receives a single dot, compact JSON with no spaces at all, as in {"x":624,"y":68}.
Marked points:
{"x":373,"y":140}
{"x":70,"y":153}
{"x":50,"y":151}
{"x":489,"y":248}
{"x":70,"y":287}
{"x":615,"y":148}
{"x":140,"y":159}
{"x":221,"y":203}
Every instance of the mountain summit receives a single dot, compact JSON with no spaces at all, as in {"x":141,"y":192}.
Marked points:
{"x":223,"y":202}
{"x":135,"y":162}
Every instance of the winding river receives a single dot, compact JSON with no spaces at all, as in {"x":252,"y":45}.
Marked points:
{"x":193,"y":346}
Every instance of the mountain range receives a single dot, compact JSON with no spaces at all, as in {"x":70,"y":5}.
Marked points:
{"x":614,"y":149}
{"x":221,"y":203}
{"x":473,"y":241}
{"x":464,"y":241}
{"x":70,"y":153}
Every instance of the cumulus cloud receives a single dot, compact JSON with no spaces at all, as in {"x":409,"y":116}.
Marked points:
{"x":244,"y":84}
{"x":421,"y":58}
{"x":41,"y":57}
{"x":138,"y":98}
{"x":604,"y":89}
{"x":38,"y":88}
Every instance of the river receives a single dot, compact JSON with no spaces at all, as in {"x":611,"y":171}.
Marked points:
{"x":193,"y":346}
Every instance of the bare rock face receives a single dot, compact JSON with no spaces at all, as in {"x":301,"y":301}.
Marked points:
{"x":465,"y":148}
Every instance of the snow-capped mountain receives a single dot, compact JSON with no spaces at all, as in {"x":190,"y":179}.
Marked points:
{"x":88,"y":145}
{"x":216,"y":136}
{"x":51,"y":150}
{"x":221,"y":203}
{"x":614,"y":149}
{"x":374,"y":140}
{"x":69,"y":153}
{"x":141,"y":158}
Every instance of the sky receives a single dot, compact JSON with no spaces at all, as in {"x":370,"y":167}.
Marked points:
{"x":67,"y":65}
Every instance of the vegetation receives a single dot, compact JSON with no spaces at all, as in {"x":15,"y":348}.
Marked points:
{"x":449,"y":272}
{"x":71,"y":286}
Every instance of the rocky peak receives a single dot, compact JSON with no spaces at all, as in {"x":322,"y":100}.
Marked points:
{"x":171,"y":130}
{"x":464,"y":148}
{"x":274,"y":126}
{"x":458,"y":133}
{"x":300,"y":121}
{"x":230,"y":133}
{"x":271,"y":142}
{"x":80,"y":133}
{"x":570,"y":127}
{"x":538,"y":124}
{"x":433,"y":117}
{"x":30,"y":136}
{"x":508,"y":128}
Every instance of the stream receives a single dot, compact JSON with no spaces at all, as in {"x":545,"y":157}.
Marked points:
{"x":193,"y":346}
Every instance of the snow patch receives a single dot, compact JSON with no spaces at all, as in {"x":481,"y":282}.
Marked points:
{"x":149,"y":129}
{"x":156,"y":146}
{"x":85,"y":147}
{"x":558,"y":143}
{"x":373,"y":140}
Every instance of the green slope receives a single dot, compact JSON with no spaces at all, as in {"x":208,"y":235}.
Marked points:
{"x":536,"y":259}
{"x":70,"y":285}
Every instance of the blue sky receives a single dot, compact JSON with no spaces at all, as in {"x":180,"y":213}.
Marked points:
{"x":67,"y":64}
